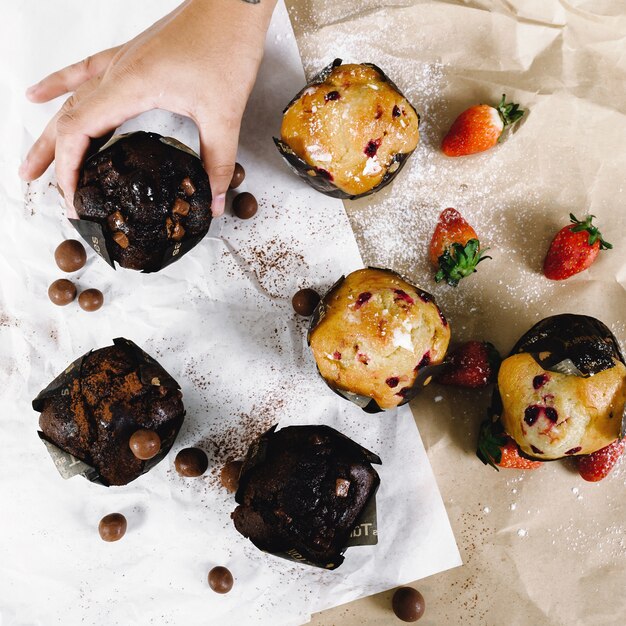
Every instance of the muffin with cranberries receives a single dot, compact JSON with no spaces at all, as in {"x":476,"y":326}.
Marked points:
{"x":562,"y":391}
{"x":349,"y":131}
{"x":374,"y":335}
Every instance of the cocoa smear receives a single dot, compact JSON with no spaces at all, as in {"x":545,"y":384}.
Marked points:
{"x":274,"y":264}
{"x":232,"y":440}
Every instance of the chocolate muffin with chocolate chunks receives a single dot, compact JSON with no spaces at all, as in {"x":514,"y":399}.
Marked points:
{"x":151,"y":197}
{"x":302,"y":490}
{"x":93,"y":408}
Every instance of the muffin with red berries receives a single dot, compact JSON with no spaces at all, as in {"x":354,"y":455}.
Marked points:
{"x":349,"y":131}
{"x":562,"y":391}
{"x":375,"y":338}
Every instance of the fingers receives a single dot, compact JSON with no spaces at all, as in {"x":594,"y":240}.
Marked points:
{"x":71,"y":77}
{"x":218,"y":148}
{"x":41,"y":153}
{"x":93,"y":115}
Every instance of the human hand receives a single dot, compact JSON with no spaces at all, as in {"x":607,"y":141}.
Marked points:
{"x":200,"y":61}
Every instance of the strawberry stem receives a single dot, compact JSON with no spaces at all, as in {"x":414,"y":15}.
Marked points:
{"x":509,"y":112}
{"x":491,"y":438}
{"x":459,"y":261}
{"x":594,"y":233}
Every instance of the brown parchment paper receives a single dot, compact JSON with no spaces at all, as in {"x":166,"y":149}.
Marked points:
{"x":541,"y":547}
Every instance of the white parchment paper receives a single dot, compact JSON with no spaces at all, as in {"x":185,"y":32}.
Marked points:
{"x":220,"y":321}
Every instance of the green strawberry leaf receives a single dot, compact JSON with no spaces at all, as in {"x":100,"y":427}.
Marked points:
{"x":491,"y":439}
{"x":459,"y":261}
{"x":588,"y":225}
{"x":509,"y":113}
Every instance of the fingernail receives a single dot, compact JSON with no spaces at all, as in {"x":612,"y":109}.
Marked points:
{"x":31,"y":90}
{"x":219,"y":202}
{"x":22,"y":172}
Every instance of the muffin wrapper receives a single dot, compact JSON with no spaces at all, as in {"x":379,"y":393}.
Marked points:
{"x":150,"y":373}
{"x":94,"y":233}
{"x":570,"y":344}
{"x":369,"y":405}
{"x":365,"y":531}
{"x":317,"y":178}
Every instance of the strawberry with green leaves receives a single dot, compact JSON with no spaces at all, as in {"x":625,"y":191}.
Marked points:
{"x":479,"y":128}
{"x":574,"y":248}
{"x":497,"y":449}
{"x":598,"y":465}
{"x":454,"y":248}
{"x":473,"y":364}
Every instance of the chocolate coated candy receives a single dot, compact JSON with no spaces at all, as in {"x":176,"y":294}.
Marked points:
{"x":220,"y":579}
{"x":245,"y":205}
{"x":145,"y":444}
{"x":238,"y":176}
{"x":191,"y":462}
{"x":70,"y":255}
{"x":305,"y":301}
{"x":408,"y":604}
{"x":229,"y":476}
{"x":112,"y":527}
{"x":62,"y":292}
{"x":90,"y":300}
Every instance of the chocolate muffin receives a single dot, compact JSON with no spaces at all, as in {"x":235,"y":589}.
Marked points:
{"x":349,"y":131}
{"x":93,"y":408}
{"x":149,"y":196}
{"x":562,"y":391}
{"x":302,"y":490}
{"x":375,"y":338}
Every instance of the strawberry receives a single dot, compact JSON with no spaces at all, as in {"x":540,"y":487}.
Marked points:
{"x":479,"y":128}
{"x":598,"y":465}
{"x":496,"y":448}
{"x":473,"y":364}
{"x":573,"y":249}
{"x":454,"y":248}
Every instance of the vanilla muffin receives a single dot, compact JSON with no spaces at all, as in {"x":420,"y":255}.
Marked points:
{"x":563,"y":389}
{"x":349,"y":131}
{"x":374,"y":334}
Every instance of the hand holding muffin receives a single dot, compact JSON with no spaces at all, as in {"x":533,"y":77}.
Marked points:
{"x":209,"y":81}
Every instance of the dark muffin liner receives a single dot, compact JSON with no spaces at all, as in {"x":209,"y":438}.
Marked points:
{"x":570,"y":344}
{"x":424,"y":375}
{"x":365,"y":530}
{"x":318,"y":179}
{"x":150,"y":373}
{"x":95,"y":235}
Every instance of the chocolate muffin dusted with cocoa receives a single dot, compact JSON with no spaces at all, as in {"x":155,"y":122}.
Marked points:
{"x":302,"y":490}
{"x":95,"y":407}
{"x":151,"y":197}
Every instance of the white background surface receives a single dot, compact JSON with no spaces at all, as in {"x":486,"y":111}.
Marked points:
{"x":220,"y":321}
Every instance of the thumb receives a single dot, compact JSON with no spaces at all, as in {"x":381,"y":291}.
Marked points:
{"x":218,"y":149}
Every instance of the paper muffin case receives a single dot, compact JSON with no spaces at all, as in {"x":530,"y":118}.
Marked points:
{"x":369,"y":405}
{"x":94,"y":233}
{"x":317,"y":178}
{"x":365,"y":530}
{"x":150,"y":373}
{"x":570,"y":344}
